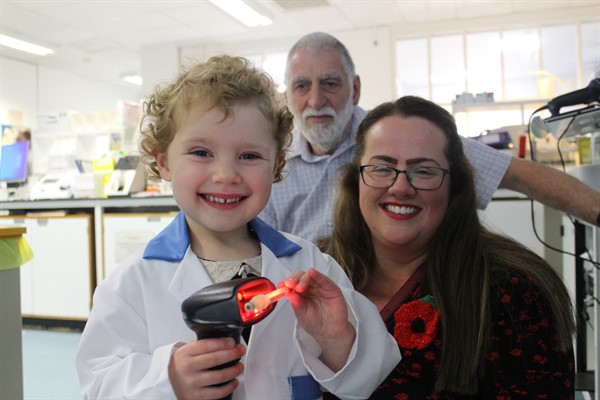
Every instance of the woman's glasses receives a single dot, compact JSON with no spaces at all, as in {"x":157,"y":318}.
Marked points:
{"x":422,"y":178}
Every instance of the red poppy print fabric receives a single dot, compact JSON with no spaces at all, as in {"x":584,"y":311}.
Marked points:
{"x":524,"y":363}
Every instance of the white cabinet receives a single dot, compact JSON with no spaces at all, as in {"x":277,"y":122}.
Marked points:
{"x":123,"y":234}
{"x":56,"y":283}
{"x":513,"y":218}
{"x":76,"y":243}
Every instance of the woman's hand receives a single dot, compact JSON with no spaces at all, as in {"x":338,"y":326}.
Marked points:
{"x":191,"y":368}
{"x":322,"y":312}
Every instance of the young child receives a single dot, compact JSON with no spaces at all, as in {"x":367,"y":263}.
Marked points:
{"x":218,"y":135}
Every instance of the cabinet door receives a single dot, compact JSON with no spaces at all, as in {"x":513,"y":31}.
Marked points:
{"x":62,"y":267}
{"x":56,"y":282}
{"x":125,"y":233}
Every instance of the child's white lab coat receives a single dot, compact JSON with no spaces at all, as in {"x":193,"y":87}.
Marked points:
{"x":136,"y":320}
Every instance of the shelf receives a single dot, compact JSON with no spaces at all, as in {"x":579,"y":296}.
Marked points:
{"x":497,"y":105}
{"x":153,"y":201}
{"x":71,"y":134}
{"x":473,"y":118}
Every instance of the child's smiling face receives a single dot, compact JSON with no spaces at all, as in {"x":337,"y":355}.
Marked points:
{"x":221,"y":170}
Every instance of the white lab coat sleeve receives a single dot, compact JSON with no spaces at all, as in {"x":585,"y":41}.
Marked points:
{"x":114,"y":359}
{"x":374,"y":353}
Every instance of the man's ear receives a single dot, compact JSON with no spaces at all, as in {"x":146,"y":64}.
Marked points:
{"x":162,"y":163}
{"x":356,"y":91}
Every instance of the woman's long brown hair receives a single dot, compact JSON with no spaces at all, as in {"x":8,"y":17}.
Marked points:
{"x":463,"y":257}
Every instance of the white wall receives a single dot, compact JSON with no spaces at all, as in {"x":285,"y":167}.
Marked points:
{"x":18,"y":91}
{"x":160,"y":64}
{"x":31,"y":90}
{"x":371,"y":50}
{"x":60,"y":91}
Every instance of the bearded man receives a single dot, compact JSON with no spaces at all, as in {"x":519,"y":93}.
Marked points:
{"x":322,"y":93}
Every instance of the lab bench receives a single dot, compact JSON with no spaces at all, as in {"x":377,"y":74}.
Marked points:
{"x":76,"y":243}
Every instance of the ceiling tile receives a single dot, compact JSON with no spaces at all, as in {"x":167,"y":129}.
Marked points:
{"x":482,"y":8}
{"x":377,"y":13}
{"x":107,"y":35}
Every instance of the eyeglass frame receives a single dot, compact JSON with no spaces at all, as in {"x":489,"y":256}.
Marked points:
{"x":445,"y":171}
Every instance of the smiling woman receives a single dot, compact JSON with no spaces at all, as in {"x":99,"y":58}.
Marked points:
{"x":473,"y":313}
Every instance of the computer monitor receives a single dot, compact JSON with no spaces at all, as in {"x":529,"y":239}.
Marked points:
{"x":13,"y":163}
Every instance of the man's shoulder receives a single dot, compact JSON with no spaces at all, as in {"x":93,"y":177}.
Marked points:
{"x":359,"y":113}
{"x":295,"y":149}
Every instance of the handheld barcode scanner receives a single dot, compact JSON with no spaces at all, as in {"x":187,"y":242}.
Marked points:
{"x":224,"y":309}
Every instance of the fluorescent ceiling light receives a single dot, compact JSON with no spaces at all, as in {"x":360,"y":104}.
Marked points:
{"x":241,"y":11}
{"x":24,"y":46}
{"x":134,"y":79}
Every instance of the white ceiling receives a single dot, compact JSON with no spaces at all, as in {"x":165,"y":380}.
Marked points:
{"x":103,"y":38}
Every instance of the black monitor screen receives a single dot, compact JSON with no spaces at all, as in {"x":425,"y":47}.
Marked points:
{"x":13,"y":162}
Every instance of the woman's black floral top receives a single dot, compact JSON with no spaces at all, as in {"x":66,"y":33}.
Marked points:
{"x":524,"y":363}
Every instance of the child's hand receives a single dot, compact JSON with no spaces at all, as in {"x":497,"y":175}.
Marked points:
{"x":190,"y":370}
{"x":321,"y":310}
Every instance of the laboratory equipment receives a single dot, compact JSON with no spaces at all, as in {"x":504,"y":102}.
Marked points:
{"x":498,"y":139}
{"x":128,"y":177}
{"x":584,"y":279}
{"x":581,"y":121}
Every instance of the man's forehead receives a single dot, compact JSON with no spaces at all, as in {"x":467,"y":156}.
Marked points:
{"x":316,"y":64}
{"x":334,"y":76}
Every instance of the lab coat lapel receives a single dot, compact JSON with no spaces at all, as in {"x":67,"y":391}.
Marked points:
{"x":189,"y":277}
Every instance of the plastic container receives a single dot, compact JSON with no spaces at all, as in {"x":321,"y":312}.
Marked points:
{"x":596,"y":148}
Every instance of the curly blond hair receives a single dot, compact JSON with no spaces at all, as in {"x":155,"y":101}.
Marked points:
{"x":221,"y":82}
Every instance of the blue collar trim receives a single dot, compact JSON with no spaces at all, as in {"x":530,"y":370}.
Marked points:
{"x":172,"y":242}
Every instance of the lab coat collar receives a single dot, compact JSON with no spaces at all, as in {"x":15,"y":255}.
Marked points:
{"x":172,"y":242}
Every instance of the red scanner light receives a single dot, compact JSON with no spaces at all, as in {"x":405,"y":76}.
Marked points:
{"x":246,"y":292}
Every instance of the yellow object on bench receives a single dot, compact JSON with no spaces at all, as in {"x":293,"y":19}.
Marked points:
{"x":14,"y":249}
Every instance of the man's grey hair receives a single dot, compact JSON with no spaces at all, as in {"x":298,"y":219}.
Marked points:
{"x":318,"y":41}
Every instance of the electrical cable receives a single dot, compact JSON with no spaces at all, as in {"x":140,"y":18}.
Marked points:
{"x":578,"y":237}
{"x":595,"y":263}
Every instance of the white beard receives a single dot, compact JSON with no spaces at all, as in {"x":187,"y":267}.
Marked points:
{"x":325,"y":137}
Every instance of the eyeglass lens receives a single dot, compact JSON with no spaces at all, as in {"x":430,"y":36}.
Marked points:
{"x":426,"y":178}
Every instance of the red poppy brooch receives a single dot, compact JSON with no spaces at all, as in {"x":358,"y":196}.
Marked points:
{"x":417,"y":323}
